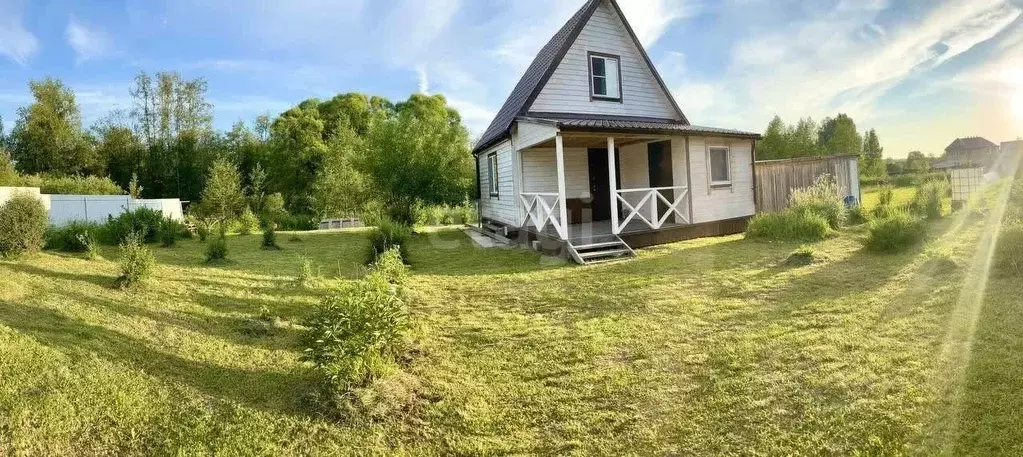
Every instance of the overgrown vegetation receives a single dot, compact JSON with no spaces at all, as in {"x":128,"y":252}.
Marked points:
{"x":788,"y":225}
{"x":929,"y":199}
{"x":23,"y":221}
{"x":356,"y":335}
{"x":821,"y":198}
{"x":216,"y":249}
{"x":388,"y":234}
{"x":895,"y":232}
{"x":136,"y":261}
{"x":75,"y":236}
{"x":144,"y":222}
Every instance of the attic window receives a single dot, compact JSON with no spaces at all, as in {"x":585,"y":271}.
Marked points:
{"x":605,"y":77}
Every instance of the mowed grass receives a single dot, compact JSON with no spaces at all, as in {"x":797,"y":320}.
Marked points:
{"x":706,"y":347}
{"x":900,"y":196}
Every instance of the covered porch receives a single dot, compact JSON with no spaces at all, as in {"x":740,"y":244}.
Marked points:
{"x":582,"y":186}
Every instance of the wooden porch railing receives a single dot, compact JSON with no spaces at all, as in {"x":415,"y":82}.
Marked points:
{"x":542,"y":209}
{"x":649,"y":204}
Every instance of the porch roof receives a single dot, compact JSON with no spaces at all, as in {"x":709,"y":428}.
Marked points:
{"x":636,"y":125}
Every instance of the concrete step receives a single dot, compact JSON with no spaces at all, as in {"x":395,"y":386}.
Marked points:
{"x":603,"y":253}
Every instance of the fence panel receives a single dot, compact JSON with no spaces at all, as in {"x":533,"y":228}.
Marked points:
{"x":776,"y":179}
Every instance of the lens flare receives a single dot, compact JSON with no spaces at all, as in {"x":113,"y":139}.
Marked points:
{"x":1017,"y":104}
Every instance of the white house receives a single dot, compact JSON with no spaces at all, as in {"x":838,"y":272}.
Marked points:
{"x":591,"y":150}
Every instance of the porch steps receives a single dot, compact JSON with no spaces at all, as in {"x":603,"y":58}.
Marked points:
{"x":600,"y":249}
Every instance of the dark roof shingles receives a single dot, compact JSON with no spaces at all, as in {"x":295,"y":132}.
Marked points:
{"x":614,"y":124}
{"x":973,"y":142}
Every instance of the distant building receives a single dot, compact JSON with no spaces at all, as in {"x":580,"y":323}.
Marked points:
{"x":1009,"y":158}
{"x":969,"y":152}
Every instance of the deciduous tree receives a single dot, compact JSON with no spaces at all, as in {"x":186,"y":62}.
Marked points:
{"x":872,"y":157}
{"x":48,"y":136}
{"x":838,"y":135}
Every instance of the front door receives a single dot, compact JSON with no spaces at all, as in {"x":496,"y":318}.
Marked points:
{"x":600,"y":184}
{"x":659,"y":163}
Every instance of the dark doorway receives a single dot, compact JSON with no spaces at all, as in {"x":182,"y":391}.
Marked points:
{"x":600,"y":184}
{"x":659,"y":164}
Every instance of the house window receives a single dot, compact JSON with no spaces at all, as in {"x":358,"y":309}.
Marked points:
{"x":492,"y":174}
{"x":605,"y":77}
{"x":720,"y":167}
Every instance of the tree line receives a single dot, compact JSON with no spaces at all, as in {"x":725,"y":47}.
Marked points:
{"x":833,"y":136}
{"x":326,"y":158}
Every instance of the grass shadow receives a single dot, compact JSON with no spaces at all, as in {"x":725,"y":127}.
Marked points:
{"x":99,"y":280}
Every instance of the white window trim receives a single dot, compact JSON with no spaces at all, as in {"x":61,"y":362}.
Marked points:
{"x":607,"y":85}
{"x":710,"y":167}
{"x":492,"y":176}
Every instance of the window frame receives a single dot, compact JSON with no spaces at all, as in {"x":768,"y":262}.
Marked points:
{"x":589,"y":64}
{"x":492,"y":175}
{"x":710,"y":166}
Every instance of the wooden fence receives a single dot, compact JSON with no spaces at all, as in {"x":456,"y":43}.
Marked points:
{"x":776,"y":179}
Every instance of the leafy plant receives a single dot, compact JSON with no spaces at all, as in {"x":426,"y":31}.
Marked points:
{"x":895,"y":232}
{"x":75,"y":236}
{"x":23,"y":221}
{"x":801,"y":257}
{"x":270,"y":239}
{"x":142,"y":221}
{"x":389,"y":234}
{"x":789,"y":225}
{"x":137,"y":262}
{"x":929,"y":197}
{"x":216,"y":249}
{"x":821,"y":198}
{"x":247,"y":222}
{"x":170,"y":231}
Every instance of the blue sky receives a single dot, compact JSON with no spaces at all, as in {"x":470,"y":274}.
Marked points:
{"x":920,"y":72}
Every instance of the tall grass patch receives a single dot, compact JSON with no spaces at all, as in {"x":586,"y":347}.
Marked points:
{"x":895,"y":232}
{"x":1009,"y":255}
{"x":75,"y":236}
{"x":821,"y":198}
{"x":23,"y":221}
{"x":789,"y":225}
{"x":929,"y":198}
{"x":387,"y":235}
{"x":356,"y":336}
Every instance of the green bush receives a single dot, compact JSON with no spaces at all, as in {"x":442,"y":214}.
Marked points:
{"x":216,"y":249}
{"x":391,"y":265}
{"x":143,"y":221}
{"x":801,"y":257}
{"x":789,"y":225}
{"x":389,"y":234}
{"x":79,"y":185}
{"x":75,"y":236}
{"x":136,"y":261}
{"x":856,"y":215}
{"x":356,"y":335}
{"x":1009,"y":255}
{"x":821,"y":198}
{"x":929,"y":197}
{"x":23,"y":221}
{"x":896,"y":232}
{"x":247,"y":223}
{"x":300,"y":222}
{"x":270,"y":239}
{"x":171,"y":230}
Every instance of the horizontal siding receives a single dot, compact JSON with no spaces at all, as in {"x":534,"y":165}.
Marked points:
{"x":726,"y":203}
{"x":502,"y":207}
{"x":568,"y":89}
{"x":528,"y":134}
{"x":540,"y":171}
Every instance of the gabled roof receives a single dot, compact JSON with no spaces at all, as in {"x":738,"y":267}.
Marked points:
{"x":973,"y":142}
{"x":539,"y":72}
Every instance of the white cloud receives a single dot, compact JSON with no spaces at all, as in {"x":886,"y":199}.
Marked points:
{"x":16,"y":43}
{"x":424,"y":79}
{"x":475,"y":117}
{"x":88,"y":43}
{"x":651,"y":18}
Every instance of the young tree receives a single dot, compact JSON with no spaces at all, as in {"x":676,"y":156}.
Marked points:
{"x":773,"y":144}
{"x":48,"y":136}
{"x":838,"y":135}
{"x":802,"y":139}
{"x":421,"y":157}
{"x":917,"y":162}
{"x":222,"y":198}
{"x":340,"y":188}
{"x":873,"y":155}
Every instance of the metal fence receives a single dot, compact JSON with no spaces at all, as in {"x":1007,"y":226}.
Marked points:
{"x":776,"y":179}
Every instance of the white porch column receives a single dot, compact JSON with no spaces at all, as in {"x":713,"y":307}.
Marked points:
{"x":612,"y":172}
{"x":559,"y":151}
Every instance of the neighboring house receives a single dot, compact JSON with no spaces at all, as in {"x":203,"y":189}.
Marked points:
{"x":1010,"y":157}
{"x":591,"y":151}
{"x":970,"y":152}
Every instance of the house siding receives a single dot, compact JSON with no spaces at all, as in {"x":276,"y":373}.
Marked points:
{"x":568,"y":89}
{"x":529,"y":134}
{"x":540,"y":169}
{"x":500,"y":208}
{"x":723,"y":203}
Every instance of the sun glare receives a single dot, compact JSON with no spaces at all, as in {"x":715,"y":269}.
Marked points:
{"x":1017,"y":104}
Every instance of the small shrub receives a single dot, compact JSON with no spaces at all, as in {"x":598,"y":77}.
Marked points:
{"x":856,"y":215}
{"x":895,"y":232}
{"x":170,"y":231}
{"x":355,"y":337}
{"x":216,"y":249}
{"x":142,"y":221}
{"x":391,"y":266}
{"x":204,"y":228}
{"x":802,"y":257}
{"x":79,"y":185}
{"x":929,"y":197}
{"x":885,"y":195}
{"x":91,"y":246}
{"x":389,"y":234}
{"x":310,"y":274}
{"x":262,"y":325}
{"x":1009,"y":255}
{"x":270,"y":239}
{"x":789,"y":225}
{"x":247,"y":223}
{"x":76,"y":236}
{"x":136,"y":261}
{"x":300,"y":222}
{"x":821,"y":198}
{"x":23,"y":221}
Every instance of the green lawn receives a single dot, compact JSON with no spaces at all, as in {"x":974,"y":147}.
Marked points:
{"x":707,"y":347}
{"x":901,"y":196}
